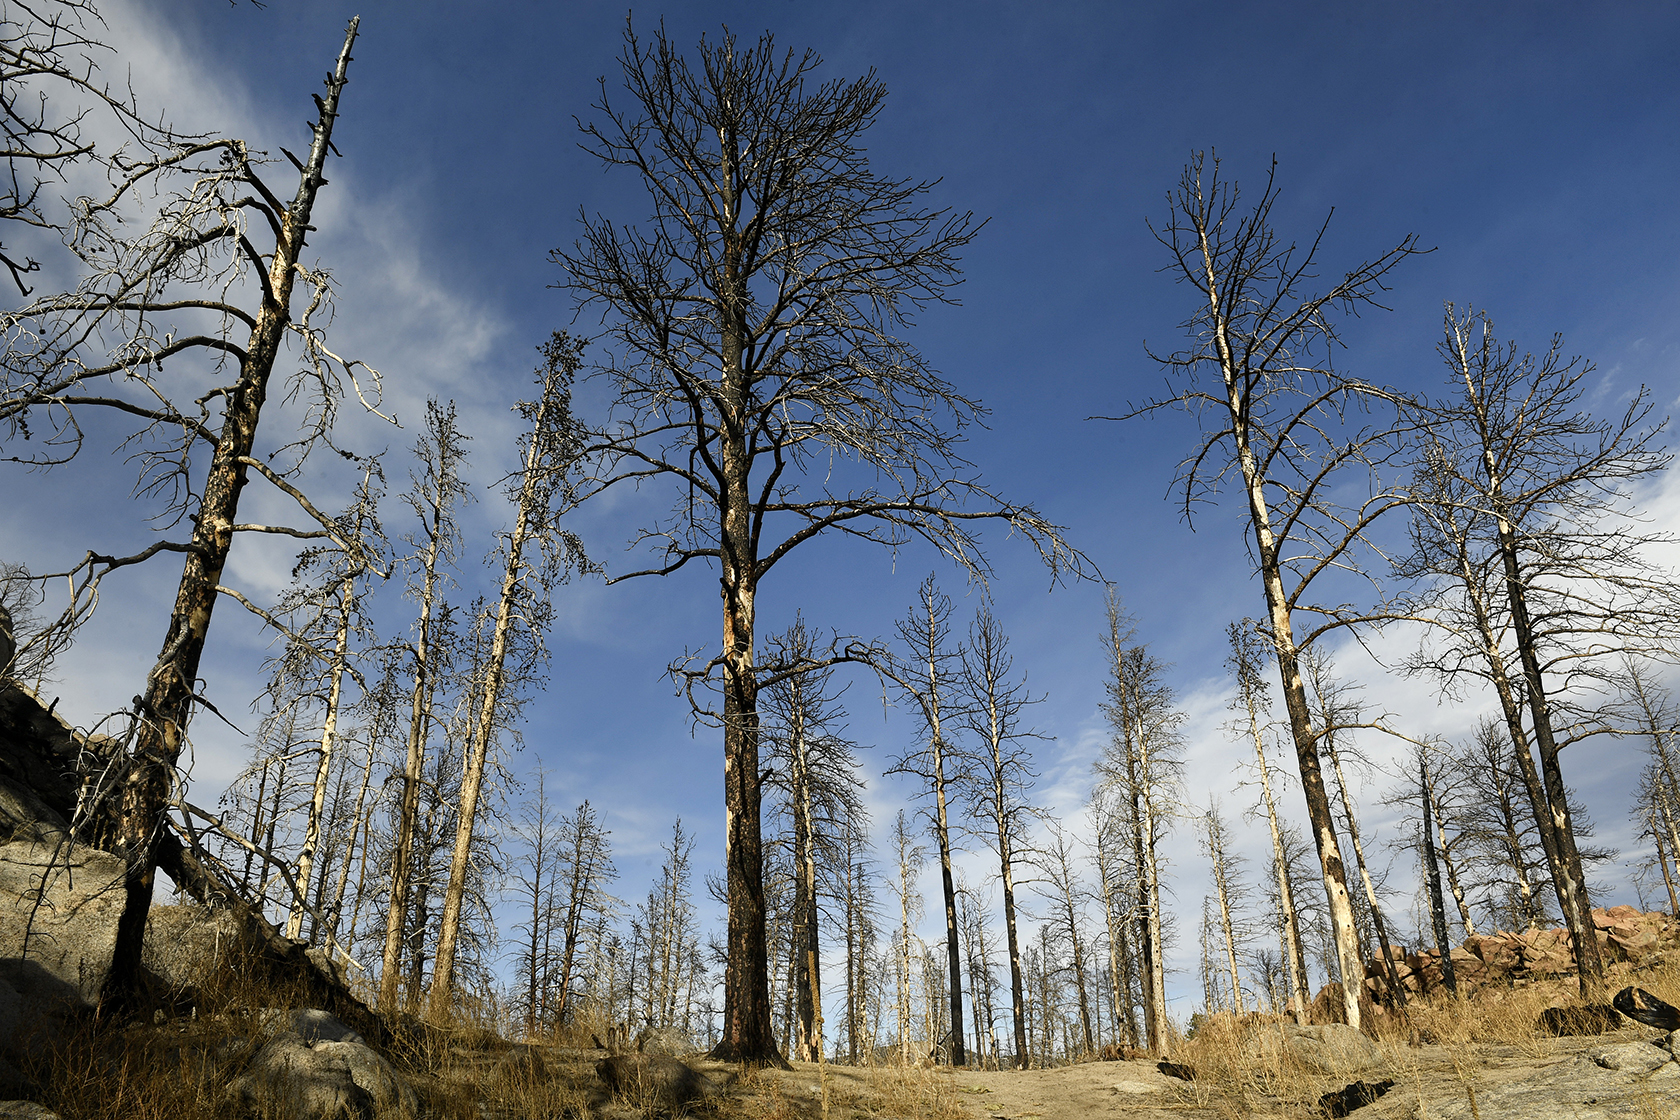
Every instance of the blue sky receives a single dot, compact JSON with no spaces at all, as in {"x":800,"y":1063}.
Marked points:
{"x":1532,"y":146}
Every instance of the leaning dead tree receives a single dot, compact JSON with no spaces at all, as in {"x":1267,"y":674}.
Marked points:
{"x":756,"y":372}
{"x":1295,"y":432}
{"x":171,"y":293}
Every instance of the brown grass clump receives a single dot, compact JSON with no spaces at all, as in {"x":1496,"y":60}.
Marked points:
{"x":177,"y":1072}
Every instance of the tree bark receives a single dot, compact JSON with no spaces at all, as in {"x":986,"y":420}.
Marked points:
{"x":419,"y":726}
{"x":1390,"y":965}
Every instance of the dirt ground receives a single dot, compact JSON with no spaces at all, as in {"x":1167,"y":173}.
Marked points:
{"x":1549,"y":1079}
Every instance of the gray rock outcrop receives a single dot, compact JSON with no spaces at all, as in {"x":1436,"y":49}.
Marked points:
{"x":59,"y":906}
{"x":666,"y":1041}
{"x":1632,"y":1057}
{"x":321,"y":1070}
{"x":1579,"y":1089}
{"x":25,"y":1110}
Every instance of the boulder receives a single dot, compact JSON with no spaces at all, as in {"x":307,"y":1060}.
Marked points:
{"x":59,"y":906}
{"x":667,"y":1041}
{"x":655,"y":1080}
{"x":1332,"y":1048}
{"x":322,"y":1072}
{"x":1578,"y":1089}
{"x":38,"y":750}
{"x":1632,"y":1057}
{"x":25,"y":1110}
{"x":316,"y":1026}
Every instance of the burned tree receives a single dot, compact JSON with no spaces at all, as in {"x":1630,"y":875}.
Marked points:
{"x":814,"y":772}
{"x":541,"y":490}
{"x":167,"y":295}
{"x":757,"y":371}
{"x":1246,"y":663}
{"x":927,"y":677}
{"x":1294,"y":431}
{"x":1000,"y":774}
{"x":434,"y":494}
{"x":1535,"y":577}
{"x":1142,"y":764}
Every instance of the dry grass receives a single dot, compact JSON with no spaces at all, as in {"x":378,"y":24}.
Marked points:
{"x":175,"y":1072}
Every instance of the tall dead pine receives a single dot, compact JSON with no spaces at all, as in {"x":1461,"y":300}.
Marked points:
{"x":542,"y":490}
{"x":1295,"y":432}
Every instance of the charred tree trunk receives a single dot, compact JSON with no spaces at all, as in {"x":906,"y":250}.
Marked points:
{"x":1432,"y":871}
{"x":165,"y":706}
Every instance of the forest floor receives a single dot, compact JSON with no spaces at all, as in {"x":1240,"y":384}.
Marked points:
{"x":1549,"y":1079}
{"x":1543,"y":1078}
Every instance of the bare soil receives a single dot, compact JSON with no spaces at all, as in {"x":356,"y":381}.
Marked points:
{"x":1548,"y":1079}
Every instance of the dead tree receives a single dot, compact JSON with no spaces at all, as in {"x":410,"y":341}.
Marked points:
{"x":858,"y":900}
{"x":586,"y":868}
{"x":1432,"y":874}
{"x":166,"y":294}
{"x":1337,"y":712}
{"x":1060,"y":888}
{"x":1142,"y":762}
{"x":54,"y":103}
{"x":909,"y":856}
{"x":1246,"y":663}
{"x":1228,"y":891}
{"x":927,"y":678}
{"x":1281,"y":420}
{"x":434,"y":494}
{"x":341,"y":616}
{"x":756,"y":371}
{"x":1505,"y":836}
{"x":1521,"y":503}
{"x":1110,"y":846}
{"x":1000,"y":775}
{"x":814,"y":771}
{"x":542,"y":491}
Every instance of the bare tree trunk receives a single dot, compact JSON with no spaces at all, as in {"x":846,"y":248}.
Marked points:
{"x":489,"y":713}
{"x":1571,"y":884}
{"x":165,"y":706}
{"x":1222,"y":886}
{"x":1432,"y":872}
{"x":1389,"y":964}
{"x":1662,"y":856}
{"x":1248,"y":683}
{"x":359,"y":826}
{"x":436,"y":496}
{"x":1017,"y":992}
{"x":329,"y":742}
{"x":1453,"y":883}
